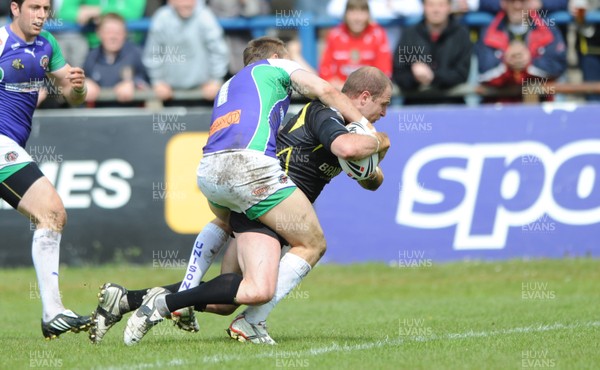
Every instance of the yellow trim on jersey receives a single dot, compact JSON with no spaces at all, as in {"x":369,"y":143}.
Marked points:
{"x":300,"y":121}
{"x":317,"y":147}
{"x":287,"y":159}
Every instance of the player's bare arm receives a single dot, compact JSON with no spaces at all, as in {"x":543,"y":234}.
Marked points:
{"x":314,"y":87}
{"x":355,"y":146}
{"x":71,"y":81}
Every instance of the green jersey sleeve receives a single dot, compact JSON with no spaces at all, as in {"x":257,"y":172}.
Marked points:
{"x":57,"y":61}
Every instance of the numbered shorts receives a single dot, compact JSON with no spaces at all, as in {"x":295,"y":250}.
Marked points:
{"x":243,"y":181}
{"x":17,"y":171}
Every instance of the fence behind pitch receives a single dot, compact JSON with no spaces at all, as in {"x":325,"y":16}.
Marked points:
{"x":487,"y":182}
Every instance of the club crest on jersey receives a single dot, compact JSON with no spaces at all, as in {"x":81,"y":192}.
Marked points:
{"x":17,"y":64}
{"x":283,"y":179}
{"x":11,"y":156}
{"x":44,"y":60}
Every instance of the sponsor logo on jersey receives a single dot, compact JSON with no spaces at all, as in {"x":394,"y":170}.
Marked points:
{"x":44,"y":61}
{"x":30,"y":51}
{"x":226,"y":120}
{"x":16,"y":64}
{"x":15,"y":46}
{"x":329,"y":171}
{"x":261,"y":190}
{"x":24,"y":87}
{"x":39,"y":42}
{"x":11,"y":156}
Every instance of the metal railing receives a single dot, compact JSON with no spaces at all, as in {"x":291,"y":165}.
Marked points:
{"x":307,"y":30}
{"x":307,"y":33}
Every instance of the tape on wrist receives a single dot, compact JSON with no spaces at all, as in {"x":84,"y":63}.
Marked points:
{"x":81,"y":91}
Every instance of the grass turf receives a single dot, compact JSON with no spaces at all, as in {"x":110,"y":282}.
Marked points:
{"x":468,"y":315}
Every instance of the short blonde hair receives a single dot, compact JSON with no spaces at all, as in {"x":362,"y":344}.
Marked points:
{"x":263,"y":48}
{"x":366,"y":78}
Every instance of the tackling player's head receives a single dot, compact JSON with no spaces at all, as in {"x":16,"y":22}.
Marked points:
{"x":28,"y":17}
{"x":370,"y":91}
{"x":264,"y":48}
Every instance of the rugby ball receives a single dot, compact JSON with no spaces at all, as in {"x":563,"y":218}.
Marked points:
{"x":360,"y":169}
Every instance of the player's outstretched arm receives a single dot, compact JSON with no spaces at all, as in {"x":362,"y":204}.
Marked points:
{"x":71,"y":81}
{"x":314,"y":87}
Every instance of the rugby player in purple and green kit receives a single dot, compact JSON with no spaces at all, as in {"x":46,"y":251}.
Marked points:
{"x":240,"y":172}
{"x":28,"y":54}
{"x":309,"y":146}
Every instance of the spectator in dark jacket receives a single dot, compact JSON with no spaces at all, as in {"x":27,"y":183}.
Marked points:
{"x":116,"y":64}
{"x":520,"y":48}
{"x":544,"y":8}
{"x":493,"y":6}
{"x":436,"y":53}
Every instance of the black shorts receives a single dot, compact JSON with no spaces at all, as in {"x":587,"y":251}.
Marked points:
{"x":240,"y":223}
{"x":14,"y":187}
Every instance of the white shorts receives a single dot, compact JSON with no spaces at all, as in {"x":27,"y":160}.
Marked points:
{"x":244,"y":181}
{"x":12,"y":157}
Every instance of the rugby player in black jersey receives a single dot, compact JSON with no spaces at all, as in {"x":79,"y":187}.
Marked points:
{"x":308,"y":147}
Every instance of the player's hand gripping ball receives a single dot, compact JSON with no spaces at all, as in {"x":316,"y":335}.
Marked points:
{"x":360,"y":169}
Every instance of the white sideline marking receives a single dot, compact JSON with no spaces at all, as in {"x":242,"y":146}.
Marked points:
{"x":334,"y":347}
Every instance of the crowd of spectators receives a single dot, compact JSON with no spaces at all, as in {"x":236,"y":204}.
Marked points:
{"x":186,"y":49}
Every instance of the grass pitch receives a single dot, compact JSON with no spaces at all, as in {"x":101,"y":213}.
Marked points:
{"x":469,"y":315}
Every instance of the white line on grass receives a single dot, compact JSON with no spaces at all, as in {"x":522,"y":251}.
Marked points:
{"x":334,"y":347}
{"x":493,"y":333}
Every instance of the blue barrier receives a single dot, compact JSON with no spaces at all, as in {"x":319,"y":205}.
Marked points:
{"x":490,"y":182}
{"x":474,"y":183}
{"x":310,"y":24}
